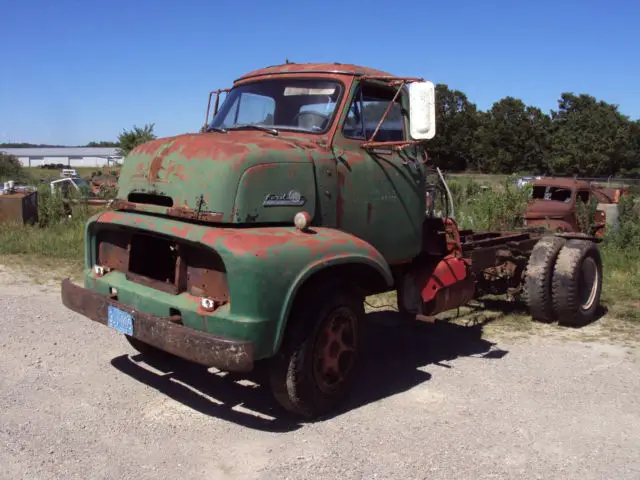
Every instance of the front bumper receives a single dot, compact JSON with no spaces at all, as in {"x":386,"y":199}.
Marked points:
{"x":196,"y":346}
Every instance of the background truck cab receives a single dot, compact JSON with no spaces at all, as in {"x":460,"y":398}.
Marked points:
{"x":555,"y":205}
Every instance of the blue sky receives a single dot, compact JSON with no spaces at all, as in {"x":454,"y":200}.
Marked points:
{"x":77,"y":71}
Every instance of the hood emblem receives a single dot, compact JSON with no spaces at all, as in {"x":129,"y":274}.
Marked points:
{"x":292,"y":198}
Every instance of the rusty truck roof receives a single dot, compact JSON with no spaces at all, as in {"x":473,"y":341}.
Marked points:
{"x":567,"y":182}
{"x":333,"y":68}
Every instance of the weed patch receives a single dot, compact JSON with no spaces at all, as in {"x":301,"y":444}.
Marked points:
{"x":498,"y":207}
{"x":62,"y":242}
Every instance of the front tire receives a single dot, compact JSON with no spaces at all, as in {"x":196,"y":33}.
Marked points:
{"x":312,"y":372}
{"x":577,"y":283}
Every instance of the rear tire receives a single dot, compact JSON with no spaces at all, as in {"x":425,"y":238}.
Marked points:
{"x":539,"y":276}
{"x":577,"y":283}
{"x":313,"y":371}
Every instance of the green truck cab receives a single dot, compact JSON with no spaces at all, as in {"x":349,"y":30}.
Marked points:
{"x":258,"y":238}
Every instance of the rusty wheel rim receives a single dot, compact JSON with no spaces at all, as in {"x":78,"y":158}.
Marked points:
{"x":335,"y":349}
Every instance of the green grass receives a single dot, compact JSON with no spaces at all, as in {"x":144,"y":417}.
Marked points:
{"x":621,"y":287}
{"x":62,"y":243}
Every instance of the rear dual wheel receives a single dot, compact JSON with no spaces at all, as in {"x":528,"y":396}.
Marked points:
{"x":564,"y":281}
{"x":577,"y":283}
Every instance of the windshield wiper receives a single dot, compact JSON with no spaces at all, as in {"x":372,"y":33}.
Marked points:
{"x":272,"y":131}
{"x":216,"y":129}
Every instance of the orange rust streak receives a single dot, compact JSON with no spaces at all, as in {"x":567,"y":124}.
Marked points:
{"x":111,"y":216}
{"x":180,"y":232}
{"x":257,"y":244}
{"x":157,"y":163}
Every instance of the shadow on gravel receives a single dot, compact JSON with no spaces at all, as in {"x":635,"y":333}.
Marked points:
{"x":394,"y":352}
{"x":507,"y":308}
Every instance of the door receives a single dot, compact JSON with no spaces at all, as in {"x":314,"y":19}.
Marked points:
{"x":381,"y":190}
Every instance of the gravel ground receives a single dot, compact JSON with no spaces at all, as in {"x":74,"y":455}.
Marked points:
{"x":435,"y":401}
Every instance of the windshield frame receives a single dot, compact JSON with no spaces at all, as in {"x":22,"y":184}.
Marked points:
{"x":335,"y":114}
{"x":569,"y":199}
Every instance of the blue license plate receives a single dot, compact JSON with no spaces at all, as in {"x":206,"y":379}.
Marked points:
{"x":120,"y":320}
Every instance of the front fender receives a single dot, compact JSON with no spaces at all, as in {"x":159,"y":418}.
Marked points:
{"x":363,"y":257}
{"x":267,"y":266}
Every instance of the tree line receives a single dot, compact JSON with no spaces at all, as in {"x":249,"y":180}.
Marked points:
{"x":127,"y":140}
{"x":582,"y":136}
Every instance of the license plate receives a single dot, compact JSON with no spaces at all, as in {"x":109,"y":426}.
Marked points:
{"x":120,"y":320}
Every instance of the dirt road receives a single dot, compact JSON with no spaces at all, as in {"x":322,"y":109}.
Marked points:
{"x":436,"y":401}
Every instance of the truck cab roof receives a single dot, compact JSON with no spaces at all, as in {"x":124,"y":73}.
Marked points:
{"x":323,"y":68}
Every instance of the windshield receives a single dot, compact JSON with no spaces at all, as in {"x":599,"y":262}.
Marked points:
{"x":280,"y":104}
{"x":545,"y":192}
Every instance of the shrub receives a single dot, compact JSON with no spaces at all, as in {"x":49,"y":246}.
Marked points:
{"x":627,"y":235}
{"x":58,"y":206}
{"x":12,"y":169}
{"x":586,"y":215}
{"x":498,"y":208}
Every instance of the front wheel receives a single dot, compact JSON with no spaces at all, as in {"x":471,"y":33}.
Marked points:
{"x":312,"y":372}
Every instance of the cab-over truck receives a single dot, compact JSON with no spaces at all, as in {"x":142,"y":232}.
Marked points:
{"x":258,"y":238}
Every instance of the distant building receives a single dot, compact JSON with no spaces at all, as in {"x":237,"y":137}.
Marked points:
{"x":68,"y":156}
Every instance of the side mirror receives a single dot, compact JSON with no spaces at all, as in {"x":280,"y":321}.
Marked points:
{"x":422,"y":110}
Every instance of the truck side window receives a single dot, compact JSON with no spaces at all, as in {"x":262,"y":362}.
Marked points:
{"x":369,"y":104}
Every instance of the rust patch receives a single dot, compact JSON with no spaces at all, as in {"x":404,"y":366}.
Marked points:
{"x":196,"y":270}
{"x":335,"y":68}
{"x":113,"y":250}
{"x":156,"y":164}
{"x":180,"y":232}
{"x":258,"y":243}
{"x":193,"y":214}
{"x":111,"y":216}
{"x":179,"y":211}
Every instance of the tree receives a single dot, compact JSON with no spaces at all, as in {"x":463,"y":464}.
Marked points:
{"x":631,"y":165}
{"x":11,"y":168}
{"x":456,"y":123}
{"x":513,"y":137}
{"x":128,"y":140}
{"x":590,"y":137}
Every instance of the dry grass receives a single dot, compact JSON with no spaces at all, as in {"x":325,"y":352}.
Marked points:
{"x":36,"y":173}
